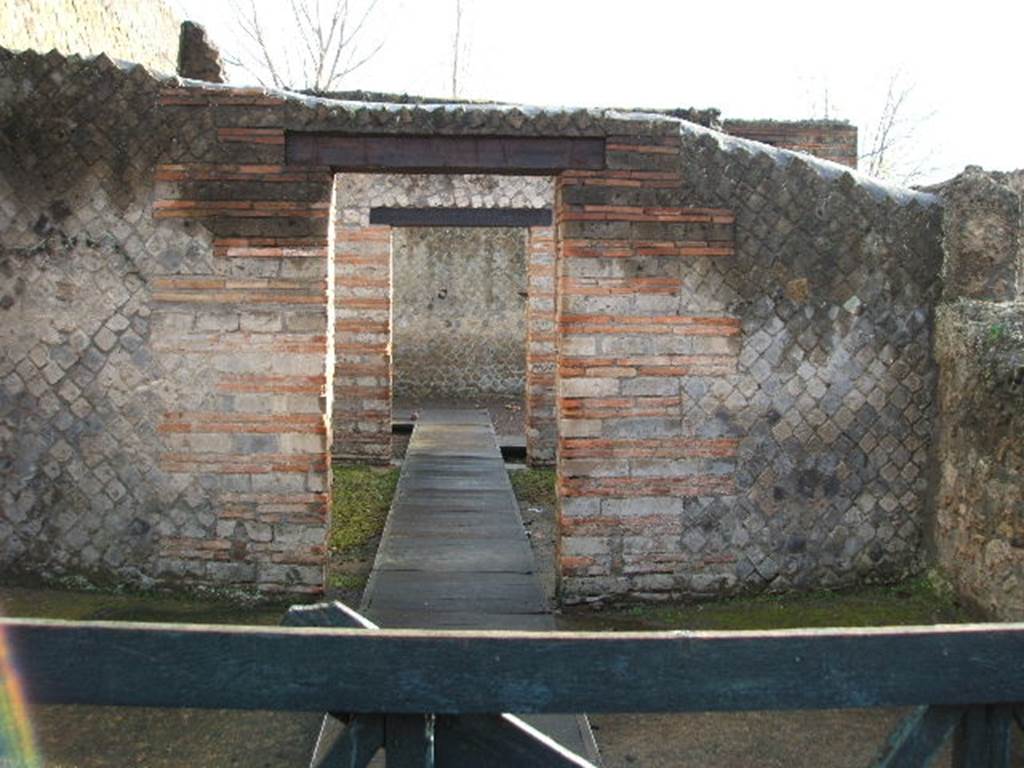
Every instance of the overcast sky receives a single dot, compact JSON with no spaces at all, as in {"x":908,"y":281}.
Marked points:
{"x":758,"y":59}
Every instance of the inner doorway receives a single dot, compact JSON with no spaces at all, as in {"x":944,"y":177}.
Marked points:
{"x":459,"y":326}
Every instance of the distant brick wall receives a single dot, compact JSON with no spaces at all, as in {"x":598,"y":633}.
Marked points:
{"x":828,"y":139}
{"x":142,"y":32}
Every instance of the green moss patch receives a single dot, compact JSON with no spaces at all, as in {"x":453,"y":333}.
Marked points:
{"x":349,"y":582}
{"x":923,"y":600}
{"x":48,"y":603}
{"x":361,"y":500}
{"x":535,"y":487}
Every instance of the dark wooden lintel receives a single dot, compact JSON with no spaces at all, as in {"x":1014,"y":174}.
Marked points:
{"x":523,"y":155}
{"x":462,"y":217}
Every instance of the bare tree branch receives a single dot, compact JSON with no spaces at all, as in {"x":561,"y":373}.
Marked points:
{"x":359,"y":25}
{"x":304,"y":23}
{"x":894,"y":147}
{"x":357,"y":64}
{"x":249,"y":23}
{"x":455,"y":49}
{"x":303,"y":46}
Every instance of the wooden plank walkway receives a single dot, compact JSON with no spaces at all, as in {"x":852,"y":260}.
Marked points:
{"x":454,"y":553}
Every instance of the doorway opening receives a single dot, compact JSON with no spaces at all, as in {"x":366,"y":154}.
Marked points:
{"x":444,"y":296}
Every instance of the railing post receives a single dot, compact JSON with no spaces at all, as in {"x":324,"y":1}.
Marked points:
{"x":921,"y":736}
{"x":983,"y":738}
{"x":342,"y":740}
{"x":409,"y":741}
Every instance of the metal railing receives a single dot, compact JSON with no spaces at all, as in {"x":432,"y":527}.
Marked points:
{"x":435,"y":698}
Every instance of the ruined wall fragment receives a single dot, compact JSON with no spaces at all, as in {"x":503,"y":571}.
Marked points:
{"x":977,"y":531}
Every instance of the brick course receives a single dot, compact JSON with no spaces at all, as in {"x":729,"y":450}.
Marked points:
{"x":833,"y":140}
{"x":362,"y":348}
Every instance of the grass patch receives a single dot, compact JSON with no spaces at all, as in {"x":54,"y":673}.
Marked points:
{"x":73,"y":605}
{"x":535,"y":487}
{"x":922,"y":600}
{"x":351,"y":582}
{"x":362,"y":497}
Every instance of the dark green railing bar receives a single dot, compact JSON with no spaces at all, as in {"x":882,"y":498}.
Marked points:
{"x":412,"y":672}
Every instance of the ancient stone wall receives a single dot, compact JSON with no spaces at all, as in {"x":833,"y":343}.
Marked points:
{"x":977,"y":533}
{"x":146,"y":33}
{"x":739,"y":339}
{"x":459,"y":312}
{"x":833,"y":140}
{"x":747,"y":387}
{"x":978,"y":530}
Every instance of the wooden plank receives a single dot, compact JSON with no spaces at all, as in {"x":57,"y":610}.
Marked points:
{"x":435,"y":553}
{"x":332,"y":731}
{"x":498,"y":741}
{"x":571,"y":731}
{"x":428,"y":496}
{"x":444,"y":154}
{"x":462,"y":217}
{"x":464,"y":591}
{"x":405,"y":671}
{"x":1000,"y":720}
{"x":429,"y":573}
{"x":970,"y":749}
{"x":461,"y":524}
{"x":983,"y":738}
{"x":920,"y":737}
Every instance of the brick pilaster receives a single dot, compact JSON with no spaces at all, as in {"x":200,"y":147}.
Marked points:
{"x":362,"y":379}
{"x":627,"y":342}
{"x":541,"y":349}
